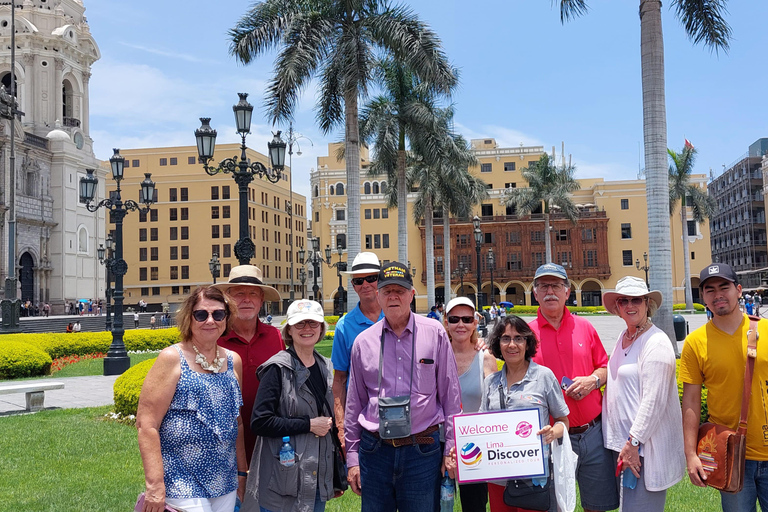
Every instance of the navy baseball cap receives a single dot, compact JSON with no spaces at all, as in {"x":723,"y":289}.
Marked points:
{"x":551,"y":269}
{"x":718,"y":270}
{"x":395,"y":273}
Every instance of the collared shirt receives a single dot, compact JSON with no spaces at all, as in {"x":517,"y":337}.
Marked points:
{"x":573,"y":350}
{"x":435,"y":394}
{"x":255,"y":352}
{"x":347,"y":329}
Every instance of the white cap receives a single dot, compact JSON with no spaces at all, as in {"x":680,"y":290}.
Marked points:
{"x":458,"y":301}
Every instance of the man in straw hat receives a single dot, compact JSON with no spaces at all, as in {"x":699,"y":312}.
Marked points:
{"x":714,"y":355}
{"x":403,"y":385}
{"x":253,"y":340}
{"x":364,"y":275}
{"x":570,"y":347}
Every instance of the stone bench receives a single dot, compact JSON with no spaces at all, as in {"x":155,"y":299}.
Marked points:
{"x":35,"y":392}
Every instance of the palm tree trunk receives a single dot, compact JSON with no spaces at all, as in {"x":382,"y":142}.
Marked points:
{"x":446,"y":254}
{"x":547,"y":239}
{"x":686,"y":258}
{"x":352,"y":152}
{"x":430,"y":242}
{"x":657,"y":174}
{"x":402,"y":204}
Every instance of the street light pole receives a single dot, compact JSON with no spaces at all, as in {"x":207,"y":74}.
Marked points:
{"x":117,"y":360}
{"x":243,"y":170}
{"x":491,"y":264}
{"x":478,"y":241}
{"x":293,"y":138}
{"x":340,"y":267}
{"x":106,"y":258}
{"x":645,"y":267}
{"x":302,"y":277}
{"x":214,"y":265}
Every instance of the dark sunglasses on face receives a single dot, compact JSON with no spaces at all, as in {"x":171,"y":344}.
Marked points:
{"x":465,"y":319}
{"x":635,"y":301}
{"x":357,"y":281}
{"x":201,"y":315}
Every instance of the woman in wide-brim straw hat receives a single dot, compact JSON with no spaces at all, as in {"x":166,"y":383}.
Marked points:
{"x":641,"y":410}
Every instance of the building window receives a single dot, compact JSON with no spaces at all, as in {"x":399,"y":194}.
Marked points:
{"x":144,"y":290}
{"x":693,"y":255}
{"x":339,"y":189}
{"x":367,"y":188}
{"x":589,"y":234}
{"x":340,"y":214}
{"x":561,"y":235}
{"x":185,"y":271}
{"x":564,"y":258}
{"x":377,"y":241}
{"x":626,"y":258}
{"x":184,"y":194}
{"x":153,"y":215}
{"x":227,"y":231}
{"x":214,"y":212}
{"x":341,"y":240}
{"x":172,"y":194}
{"x":184,"y":233}
{"x":368,"y":241}
{"x":154,"y":273}
{"x":225,"y":212}
{"x":225,"y":192}
{"x":376,"y":213}
{"x":174,"y":252}
{"x":532,"y":164}
{"x":384,"y":213}
{"x":625,"y":204}
{"x":538,"y":259}
{"x":174,"y":233}
{"x":153,"y":254}
{"x":155,"y":290}
{"x":486,"y":167}
{"x":626,"y":230}
{"x":190,"y":160}
{"x":143,"y":274}
{"x":185,"y":214}
{"x":174,"y":161}
{"x":227,"y":251}
{"x":174,"y":272}
{"x":214,"y":193}
{"x":385,"y":241}
{"x":142,"y":216}
{"x":590,"y":258}
{"x":142,"y":254}
{"x":143,"y":235}
{"x":187,"y":289}
{"x":537,"y":236}
{"x":135,"y":163}
{"x":509,"y":166}
{"x":691,"y":228}
{"x":486,"y":210}
{"x":163,"y":161}
{"x":153,"y":234}
{"x":367,"y":213}
{"x":215,"y":231}
{"x":173,"y":213}
{"x":174,"y":290}
{"x":185,"y":252}
{"x":225,"y":269}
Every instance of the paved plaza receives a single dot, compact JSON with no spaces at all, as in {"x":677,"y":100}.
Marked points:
{"x":97,"y":390}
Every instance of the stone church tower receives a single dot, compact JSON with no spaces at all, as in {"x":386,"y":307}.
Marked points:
{"x":56,"y":236}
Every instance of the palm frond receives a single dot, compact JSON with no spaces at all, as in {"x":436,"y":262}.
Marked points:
{"x":571,"y":9}
{"x":704,"y":22}
{"x":261,"y":29}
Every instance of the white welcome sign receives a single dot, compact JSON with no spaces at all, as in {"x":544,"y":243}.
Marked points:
{"x":498,"y":445}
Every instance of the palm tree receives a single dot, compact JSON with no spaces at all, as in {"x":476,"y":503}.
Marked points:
{"x":405,"y":111}
{"x":335,"y":41}
{"x":549,"y":184}
{"x":704,"y":23}
{"x":703,"y":206}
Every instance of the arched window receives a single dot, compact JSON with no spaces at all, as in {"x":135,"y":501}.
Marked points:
{"x":6,"y":81}
{"x":67,"y":99}
{"x":332,"y":189}
{"x":341,"y":240}
{"x":339,"y":189}
{"x":317,"y":191}
{"x":367,"y":188}
{"x":375,"y":188}
{"x":383,"y":187}
{"x":82,"y":240}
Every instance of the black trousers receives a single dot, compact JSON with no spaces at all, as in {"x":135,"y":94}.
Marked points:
{"x":474,"y":497}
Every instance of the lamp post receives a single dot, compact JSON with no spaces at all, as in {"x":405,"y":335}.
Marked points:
{"x":340,"y":267}
{"x":314,"y":258}
{"x":293,"y":138}
{"x":302,"y":278}
{"x":243,"y":170}
{"x":214,"y":265}
{"x":117,"y":360}
{"x":106,"y":258}
{"x":412,"y":270}
{"x":460,"y":272}
{"x":645,"y":267}
{"x":492,"y":264}
{"x":478,"y":242}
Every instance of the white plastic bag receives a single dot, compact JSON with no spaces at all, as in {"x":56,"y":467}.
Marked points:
{"x":564,"y":463}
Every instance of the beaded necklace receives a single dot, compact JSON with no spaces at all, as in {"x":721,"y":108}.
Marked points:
{"x":214,"y":367}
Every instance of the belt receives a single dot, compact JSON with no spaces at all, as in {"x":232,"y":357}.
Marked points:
{"x":583,"y":428}
{"x":423,"y":437}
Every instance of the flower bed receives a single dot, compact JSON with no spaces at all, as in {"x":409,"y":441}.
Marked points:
{"x":60,"y":362}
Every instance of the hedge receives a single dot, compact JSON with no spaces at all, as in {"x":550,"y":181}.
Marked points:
{"x":19,"y":359}
{"x":696,"y":307}
{"x":704,"y":410}
{"x":83,"y":343}
{"x":127,"y":387}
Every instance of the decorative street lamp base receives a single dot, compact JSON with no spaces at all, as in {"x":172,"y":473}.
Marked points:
{"x":116,"y":365}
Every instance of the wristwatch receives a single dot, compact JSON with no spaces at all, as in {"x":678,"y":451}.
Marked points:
{"x":597,"y":381}
{"x":633,"y":441}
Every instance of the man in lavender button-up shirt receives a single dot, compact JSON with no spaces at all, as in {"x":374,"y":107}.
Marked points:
{"x":401,"y":473}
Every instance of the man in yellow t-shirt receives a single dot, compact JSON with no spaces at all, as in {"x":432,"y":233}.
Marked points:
{"x":714,"y":355}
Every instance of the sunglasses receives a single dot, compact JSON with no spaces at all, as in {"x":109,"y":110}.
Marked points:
{"x":465,"y":319}
{"x":635,"y":301}
{"x":313,"y":324}
{"x":357,"y":281}
{"x":201,"y":315}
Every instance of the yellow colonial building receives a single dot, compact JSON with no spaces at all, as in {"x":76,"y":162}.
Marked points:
{"x":195,"y":216}
{"x":607,"y":243}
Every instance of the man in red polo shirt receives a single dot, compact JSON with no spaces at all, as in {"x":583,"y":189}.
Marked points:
{"x":253,"y":340}
{"x":571,"y":348}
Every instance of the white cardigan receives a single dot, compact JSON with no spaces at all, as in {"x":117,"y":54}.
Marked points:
{"x":658,"y":423}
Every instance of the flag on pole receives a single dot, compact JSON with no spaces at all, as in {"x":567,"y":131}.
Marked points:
{"x":688,"y":144}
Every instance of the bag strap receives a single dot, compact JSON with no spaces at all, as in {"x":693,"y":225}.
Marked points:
{"x":752,"y":337}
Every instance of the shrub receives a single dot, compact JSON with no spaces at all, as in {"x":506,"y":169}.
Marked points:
{"x":696,"y":307}
{"x":83,"y":343}
{"x":128,"y":387}
{"x":150,"y":339}
{"x":331,"y":320}
{"x":22,"y":360}
{"x":704,"y":410}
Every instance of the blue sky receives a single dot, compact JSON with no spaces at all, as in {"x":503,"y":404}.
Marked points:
{"x":524,"y":78}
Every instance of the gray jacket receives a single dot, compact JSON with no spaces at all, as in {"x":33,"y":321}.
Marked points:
{"x":273,"y":486}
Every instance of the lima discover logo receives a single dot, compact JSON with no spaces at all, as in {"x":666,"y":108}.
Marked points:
{"x":471,"y":455}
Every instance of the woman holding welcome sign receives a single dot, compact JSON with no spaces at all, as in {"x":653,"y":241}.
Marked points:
{"x":522,"y":384}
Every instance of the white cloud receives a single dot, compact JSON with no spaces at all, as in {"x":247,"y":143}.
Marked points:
{"x":169,"y":53}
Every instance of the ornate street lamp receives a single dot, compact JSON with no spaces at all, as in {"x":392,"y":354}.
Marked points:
{"x":293,"y":138}
{"x":314,"y":258}
{"x":117,"y":360}
{"x":460,"y":272}
{"x":214,"y":265}
{"x":302,"y":278}
{"x":106,"y":258}
{"x":645,"y":267}
{"x":243,"y":170}
{"x":492,"y":264}
{"x":478,"y":242}
{"x":340,"y":266}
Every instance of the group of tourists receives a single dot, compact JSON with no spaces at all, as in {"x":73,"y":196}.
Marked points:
{"x":242,"y":416}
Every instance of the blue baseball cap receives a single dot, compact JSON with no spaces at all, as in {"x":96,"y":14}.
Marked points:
{"x":551,"y":269}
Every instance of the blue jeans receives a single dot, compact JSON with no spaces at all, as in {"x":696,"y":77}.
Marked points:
{"x":755,"y":488}
{"x":406,"y":478}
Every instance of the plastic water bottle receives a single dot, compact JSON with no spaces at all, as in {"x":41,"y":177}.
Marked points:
{"x":447,"y":491}
{"x":287,"y":454}
{"x":541,"y":481}
{"x":629,"y":479}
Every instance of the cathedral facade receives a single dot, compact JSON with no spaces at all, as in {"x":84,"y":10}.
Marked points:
{"x":55,"y":257}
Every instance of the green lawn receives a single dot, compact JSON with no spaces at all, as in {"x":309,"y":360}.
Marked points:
{"x":63,"y":460}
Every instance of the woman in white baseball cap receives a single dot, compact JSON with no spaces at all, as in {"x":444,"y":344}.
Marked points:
{"x":474,"y":366}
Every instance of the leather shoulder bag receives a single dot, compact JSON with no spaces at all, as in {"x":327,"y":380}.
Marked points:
{"x":722,"y":450}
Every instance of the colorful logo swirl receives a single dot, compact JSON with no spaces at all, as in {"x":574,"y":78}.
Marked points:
{"x":471,"y":455}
